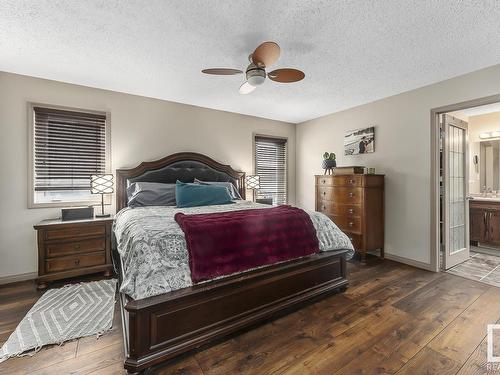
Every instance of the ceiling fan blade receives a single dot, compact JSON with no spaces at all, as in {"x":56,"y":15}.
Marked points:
{"x":222,"y":71}
{"x":266,"y":54}
{"x":286,"y":75}
{"x":246,"y":88}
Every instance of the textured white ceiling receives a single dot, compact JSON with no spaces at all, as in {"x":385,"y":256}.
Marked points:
{"x":352,"y":52}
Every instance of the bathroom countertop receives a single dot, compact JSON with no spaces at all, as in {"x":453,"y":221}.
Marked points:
{"x":486,"y":199}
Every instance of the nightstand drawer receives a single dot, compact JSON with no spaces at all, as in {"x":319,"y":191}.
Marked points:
{"x":75,"y":231}
{"x":72,"y":262}
{"x":76,"y":247}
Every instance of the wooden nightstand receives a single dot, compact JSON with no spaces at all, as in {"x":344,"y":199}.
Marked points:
{"x":264,"y":201}
{"x":73,"y":248}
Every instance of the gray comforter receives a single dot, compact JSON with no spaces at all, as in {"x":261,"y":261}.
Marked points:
{"x":153,"y":248}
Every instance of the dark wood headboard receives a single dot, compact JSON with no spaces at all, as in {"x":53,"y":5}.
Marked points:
{"x":183,"y":166}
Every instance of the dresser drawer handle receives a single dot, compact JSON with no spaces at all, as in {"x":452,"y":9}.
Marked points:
{"x":323,"y":181}
{"x":351,"y":224}
{"x":323,"y":208}
{"x":351,"y":210}
{"x":77,"y":262}
{"x":351,"y":182}
{"x":351,"y":194}
{"x":77,"y":246}
{"x":324,"y":193}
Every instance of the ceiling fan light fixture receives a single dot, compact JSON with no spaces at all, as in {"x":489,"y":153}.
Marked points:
{"x":246,"y":88}
{"x":255,"y":76}
{"x":265,"y":55}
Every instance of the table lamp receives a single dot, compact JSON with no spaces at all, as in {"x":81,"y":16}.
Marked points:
{"x":252,"y":182}
{"x":101,"y":184}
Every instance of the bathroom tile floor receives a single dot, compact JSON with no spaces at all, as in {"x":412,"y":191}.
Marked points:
{"x":480,"y":267}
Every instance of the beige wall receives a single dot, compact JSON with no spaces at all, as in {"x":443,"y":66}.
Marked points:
{"x":483,"y":123}
{"x":402,"y":153}
{"x":141,"y":129}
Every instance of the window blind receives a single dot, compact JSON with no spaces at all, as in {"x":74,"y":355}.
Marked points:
{"x":68,"y":147}
{"x":270,"y":165}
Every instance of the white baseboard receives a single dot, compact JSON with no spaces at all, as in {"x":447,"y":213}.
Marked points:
{"x":17,"y":278}
{"x":410,"y":262}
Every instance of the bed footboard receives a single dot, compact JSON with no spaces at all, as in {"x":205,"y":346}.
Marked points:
{"x":159,"y":328}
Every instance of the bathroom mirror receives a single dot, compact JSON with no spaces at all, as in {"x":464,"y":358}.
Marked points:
{"x":489,"y":165}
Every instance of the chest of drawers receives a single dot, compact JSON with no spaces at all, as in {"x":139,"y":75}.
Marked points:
{"x":73,"y":248}
{"x":355,"y":203}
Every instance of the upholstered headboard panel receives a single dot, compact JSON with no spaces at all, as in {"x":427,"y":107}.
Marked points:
{"x":184,"y":166}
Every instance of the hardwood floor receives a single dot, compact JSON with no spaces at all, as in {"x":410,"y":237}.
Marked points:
{"x":393,"y":319}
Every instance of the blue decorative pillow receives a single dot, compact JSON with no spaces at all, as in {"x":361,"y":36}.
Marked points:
{"x":141,"y":194}
{"x":232,"y":189}
{"x":193,"y":195}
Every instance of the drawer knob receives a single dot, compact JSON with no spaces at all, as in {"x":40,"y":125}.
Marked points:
{"x":351,"y":224}
{"x":351,"y":182}
{"x":324,"y":193}
{"x":77,"y":246}
{"x":351,"y":210}
{"x":351,"y":194}
{"x":77,"y":262}
{"x":323,"y":181}
{"x":323,"y":208}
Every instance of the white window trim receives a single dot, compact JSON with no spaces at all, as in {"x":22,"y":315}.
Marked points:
{"x":31,"y":157}
{"x":254,"y":167}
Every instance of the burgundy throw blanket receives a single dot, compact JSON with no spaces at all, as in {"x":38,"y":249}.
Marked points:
{"x":221,"y":244}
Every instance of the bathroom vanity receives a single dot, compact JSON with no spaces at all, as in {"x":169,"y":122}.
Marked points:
{"x":485,"y":221}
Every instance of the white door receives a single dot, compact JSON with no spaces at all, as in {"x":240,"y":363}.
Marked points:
{"x":456,"y":191}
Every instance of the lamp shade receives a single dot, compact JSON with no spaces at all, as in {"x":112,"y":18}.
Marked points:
{"x":252,"y":181}
{"x":101,"y":184}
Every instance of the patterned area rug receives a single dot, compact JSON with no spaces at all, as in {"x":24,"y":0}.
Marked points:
{"x":64,"y":314}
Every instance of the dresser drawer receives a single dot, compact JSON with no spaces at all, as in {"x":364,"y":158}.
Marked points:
{"x":331,"y":208}
{"x":75,"y":247}
{"x":348,"y":224}
{"x":325,"y":206}
{"x":347,"y":195}
{"x":324,"y":181}
{"x":347,"y":210}
{"x":356,"y":239}
{"x":348,"y":180}
{"x":75,"y":231}
{"x":340,"y":194}
{"x":73,"y":262}
{"x":325,"y":193}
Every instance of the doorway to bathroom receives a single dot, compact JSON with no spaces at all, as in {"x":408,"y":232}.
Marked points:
{"x":467,"y":200}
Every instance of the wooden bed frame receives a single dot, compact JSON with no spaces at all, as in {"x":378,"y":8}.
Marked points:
{"x":159,"y":328}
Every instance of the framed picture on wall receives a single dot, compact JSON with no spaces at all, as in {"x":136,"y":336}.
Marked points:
{"x":359,"y":141}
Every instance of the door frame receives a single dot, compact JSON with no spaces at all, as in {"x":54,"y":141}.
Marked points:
{"x":435,"y":112}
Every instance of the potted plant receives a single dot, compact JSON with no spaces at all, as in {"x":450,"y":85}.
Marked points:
{"x":329,"y":162}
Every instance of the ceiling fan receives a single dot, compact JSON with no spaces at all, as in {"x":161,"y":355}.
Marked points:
{"x":263,"y":57}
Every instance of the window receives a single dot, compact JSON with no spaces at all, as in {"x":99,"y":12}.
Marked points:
{"x":270,"y":165}
{"x":67,"y":147}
